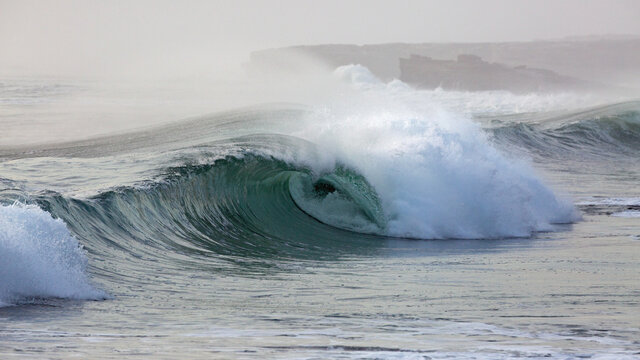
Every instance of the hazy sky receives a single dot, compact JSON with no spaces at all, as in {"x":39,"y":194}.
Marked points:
{"x":93,"y":36}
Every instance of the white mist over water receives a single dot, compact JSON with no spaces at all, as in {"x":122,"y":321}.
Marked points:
{"x":435,"y":171}
{"x":39,"y":258}
{"x":36,"y":110}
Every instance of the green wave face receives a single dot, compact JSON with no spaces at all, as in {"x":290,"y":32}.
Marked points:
{"x":342,"y":198}
{"x":252,"y":207}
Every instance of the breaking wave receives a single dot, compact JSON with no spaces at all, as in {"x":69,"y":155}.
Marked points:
{"x":39,"y":258}
{"x":289,"y":181}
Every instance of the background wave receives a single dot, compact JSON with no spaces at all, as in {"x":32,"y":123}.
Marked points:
{"x":602,"y":132}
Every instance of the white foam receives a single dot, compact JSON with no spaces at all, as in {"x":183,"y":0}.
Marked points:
{"x":435,"y":171}
{"x":39,"y":258}
{"x":627,"y":214}
{"x":472,"y":103}
{"x":615,"y":201}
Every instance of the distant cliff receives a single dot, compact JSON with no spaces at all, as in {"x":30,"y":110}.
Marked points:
{"x":470,"y":72}
{"x":614,"y":61}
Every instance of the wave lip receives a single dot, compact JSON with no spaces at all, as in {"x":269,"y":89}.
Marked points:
{"x":39,"y":258}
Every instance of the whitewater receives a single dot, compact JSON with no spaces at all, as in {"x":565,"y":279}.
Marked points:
{"x":381,"y":221}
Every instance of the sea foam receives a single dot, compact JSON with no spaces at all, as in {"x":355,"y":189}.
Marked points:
{"x":435,"y":171}
{"x":39,"y":258}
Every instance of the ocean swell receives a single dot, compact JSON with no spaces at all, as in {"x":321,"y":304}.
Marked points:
{"x":603,"y":132}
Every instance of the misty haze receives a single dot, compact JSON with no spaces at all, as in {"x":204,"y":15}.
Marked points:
{"x":304,"y":179}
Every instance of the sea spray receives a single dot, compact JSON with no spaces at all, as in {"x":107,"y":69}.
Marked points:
{"x":39,"y":258}
{"x":435,"y":172}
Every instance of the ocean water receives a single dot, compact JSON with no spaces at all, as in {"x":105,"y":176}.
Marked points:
{"x":386,"y":222}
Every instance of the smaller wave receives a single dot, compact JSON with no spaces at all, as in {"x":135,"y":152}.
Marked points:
{"x":602,"y":132}
{"x":39,"y":258}
{"x":627,"y":214}
{"x":615,"y":201}
{"x":628,"y":207}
